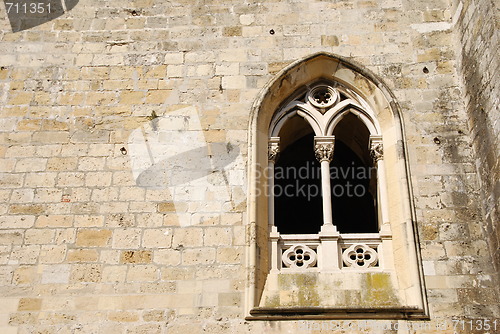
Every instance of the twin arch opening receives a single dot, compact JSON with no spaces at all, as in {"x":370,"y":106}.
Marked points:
{"x":324,"y":174}
{"x":297,"y":181}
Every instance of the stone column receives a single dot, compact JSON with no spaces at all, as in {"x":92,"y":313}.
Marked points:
{"x":273,"y":150}
{"x":377,"y":154}
{"x":386,"y":260}
{"x":323,"y":149}
{"x":328,"y":254}
{"x":275,"y":253}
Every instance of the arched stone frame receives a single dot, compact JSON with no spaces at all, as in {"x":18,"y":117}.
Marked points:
{"x":387,"y":130}
{"x":323,"y":124}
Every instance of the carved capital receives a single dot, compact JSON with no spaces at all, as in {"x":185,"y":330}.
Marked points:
{"x":273,"y":148}
{"x":376,"y":149}
{"x":324,"y":148}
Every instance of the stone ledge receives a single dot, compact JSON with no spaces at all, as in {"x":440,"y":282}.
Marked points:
{"x":329,"y":313}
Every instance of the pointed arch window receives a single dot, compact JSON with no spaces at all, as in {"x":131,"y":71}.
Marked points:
{"x":326,"y":239}
{"x":323,"y":182}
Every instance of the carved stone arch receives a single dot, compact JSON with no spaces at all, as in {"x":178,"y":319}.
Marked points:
{"x":403,"y":271}
{"x":291,"y":110}
{"x":365,"y":117}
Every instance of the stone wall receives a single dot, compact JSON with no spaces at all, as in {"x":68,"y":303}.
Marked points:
{"x":478,"y":29}
{"x":97,"y":238}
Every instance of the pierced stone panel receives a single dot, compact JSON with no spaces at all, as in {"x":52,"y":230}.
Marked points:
{"x":299,"y":257}
{"x":323,"y":96}
{"x":359,"y":256}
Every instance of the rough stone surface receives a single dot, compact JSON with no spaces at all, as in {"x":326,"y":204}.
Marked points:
{"x":479,"y":65}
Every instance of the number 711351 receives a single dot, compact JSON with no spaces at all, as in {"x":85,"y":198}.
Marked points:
{"x":476,"y":324}
{"x":27,"y":8}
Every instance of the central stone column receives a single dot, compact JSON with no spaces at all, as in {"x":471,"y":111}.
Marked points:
{"x":328,"y":236}
{"x":323,"y":149}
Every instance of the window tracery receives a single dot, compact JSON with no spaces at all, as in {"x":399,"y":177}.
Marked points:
{"x":343,"y":117}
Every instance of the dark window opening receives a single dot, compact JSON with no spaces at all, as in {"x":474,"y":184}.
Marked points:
{"x":353,"y":204}
{"x":353,"y":178}
{"x":297,"y":180}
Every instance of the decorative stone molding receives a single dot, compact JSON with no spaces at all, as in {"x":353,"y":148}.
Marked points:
{"x":324,"y":148}
{"x":313,"y":252}
{"x":322,"y":96}
{"x":376,"y":149}
{"x":299,"y":257}
{"x":273,"y":148}
{"x":360,"y":256}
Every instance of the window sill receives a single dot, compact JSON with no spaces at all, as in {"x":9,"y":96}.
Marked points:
{"x":328,"y":313}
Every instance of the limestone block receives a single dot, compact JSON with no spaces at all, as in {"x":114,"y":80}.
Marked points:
{"x":138,"y":256}
{"x":82,"y":255}
{"x":157,"y":238}
{"x":88,"y":221}
{"x":52,"y":253}
{"x":156,"y":315}
{"x":132,"y":194}
{"x":142,"y":273}
{"x":89,"y":273}
{"x":114,"y":274}
{"x":24,"y":275}
{"x":110,"y":256}
{"x":39,"y":236}
{"x":123,"y":316}
{"x":65,"y":235}
{"x":234,"y":82}
{"x":54,"y":274}
{"x":70,"y":179}
{"x":215,"y":236}
{"x":93,"y":238}
{"x":167,"y":257}
{"x":31,"y":165}
{"x":29,"y":304}
{"x":229,"y":299}
{"x":227,"y":69}
{"x":229,"y":255}
{"x":198,"y":256}
{"x":126,"y":238}
{"x":187,"y":237}
{"x":11,"y":180}
{"x":90,"y":164}
{"x":30,"y":209}
{"x":54,"y":221}
{"x":21,"y":221}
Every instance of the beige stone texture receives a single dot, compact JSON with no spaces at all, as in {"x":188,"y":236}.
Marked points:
{"x":92,"y":238}
{"x":82,"y":255}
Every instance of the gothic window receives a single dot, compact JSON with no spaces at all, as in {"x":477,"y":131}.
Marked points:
{"x":297,"y":179}
{"x":331,"y":220}
{"x":320,"y":188}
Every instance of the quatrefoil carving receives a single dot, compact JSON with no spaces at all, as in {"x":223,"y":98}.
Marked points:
{"x":322,"y":96}
{"x":360,"y":256}
{"x":299,"y":257}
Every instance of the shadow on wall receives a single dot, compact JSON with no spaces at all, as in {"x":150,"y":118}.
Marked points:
{"x":171,"y":152}
{"x":26,"y":14}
